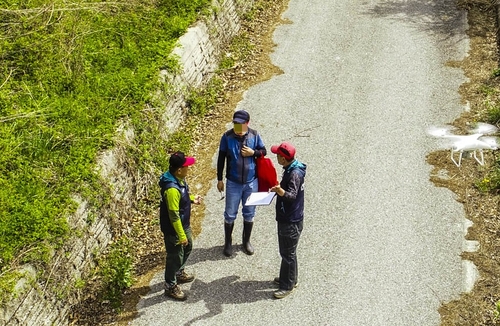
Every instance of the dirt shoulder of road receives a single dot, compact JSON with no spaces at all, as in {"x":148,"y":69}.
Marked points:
{"x":479,"y":306}
{"x":475,"y":308}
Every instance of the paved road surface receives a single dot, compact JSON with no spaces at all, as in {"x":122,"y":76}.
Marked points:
{"x":362,"y":81}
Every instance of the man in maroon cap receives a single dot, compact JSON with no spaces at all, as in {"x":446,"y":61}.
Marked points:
{"x":175,"y":223}
{"x":289,"y":215}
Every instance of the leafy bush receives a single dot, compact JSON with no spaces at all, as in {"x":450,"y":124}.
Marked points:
{"x":491,"y":181}
{"x":116,"y":270}
{"x":68,"y":73}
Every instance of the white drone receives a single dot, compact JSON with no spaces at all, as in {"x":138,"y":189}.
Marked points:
{"x":475,"y":141}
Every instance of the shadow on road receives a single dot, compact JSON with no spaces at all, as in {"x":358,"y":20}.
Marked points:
{"x":224,"y":291}
{"x":439,"y":18}
{"x":211,"y":254}
{"x":227,"y":290}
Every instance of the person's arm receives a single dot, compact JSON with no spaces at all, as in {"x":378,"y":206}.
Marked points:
{"x":258,"y":151}
{"x":260,"y":148}
{"x":221,"y":161}
{"x":292,"y":190}
{"x":196,"y":199}
{"x":173,"y":198}
{"x":293,"y":187}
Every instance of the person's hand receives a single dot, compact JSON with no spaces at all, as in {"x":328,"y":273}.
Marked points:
{"x":278,"y":190}
{"x":247,"y":151}
{"x":220,"y":186}
{"x":183,"y":243}
{"x":197,"y":200}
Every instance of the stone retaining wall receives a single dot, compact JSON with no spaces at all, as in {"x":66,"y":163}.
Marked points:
{"x":49,"y":303}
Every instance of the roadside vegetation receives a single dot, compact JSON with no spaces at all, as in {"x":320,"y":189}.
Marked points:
{"x":70,"y":73}
{"x":490,"y":182}
{"x":477,"y":187}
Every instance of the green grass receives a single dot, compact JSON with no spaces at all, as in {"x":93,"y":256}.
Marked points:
{"x":69,"y":73}
{"x":116,"y":270}
{"x":490,"y":181}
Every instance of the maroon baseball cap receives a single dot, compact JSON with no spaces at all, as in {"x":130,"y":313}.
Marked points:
{"x":284,"y":149}
{"x":178,"y":160}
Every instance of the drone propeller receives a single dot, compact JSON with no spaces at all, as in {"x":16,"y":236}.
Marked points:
{"x":491,"y":141}
{"x":446,"y":132}
{"x":483,"y":128}
{"x":479,"y":128}
{"x":441,"y":131}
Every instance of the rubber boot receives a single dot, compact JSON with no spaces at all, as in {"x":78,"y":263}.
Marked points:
{"x":228,"y":237}
{"x":247,"y":232}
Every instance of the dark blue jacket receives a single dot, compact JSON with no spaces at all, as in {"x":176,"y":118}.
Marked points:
{"x":238,"y":168}
{"x":290,"y":207}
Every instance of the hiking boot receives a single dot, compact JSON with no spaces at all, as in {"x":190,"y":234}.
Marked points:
{"x":277,"y":281}
{"x":183,"y":277}
{"x":174,"y":291}
{"x":280,"y":294}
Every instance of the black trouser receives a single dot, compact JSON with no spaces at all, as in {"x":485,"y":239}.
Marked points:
{"x":288,"y":240}
{"x":177,"y":255}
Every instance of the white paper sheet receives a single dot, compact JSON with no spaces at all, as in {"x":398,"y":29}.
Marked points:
{"x":260,"y":198}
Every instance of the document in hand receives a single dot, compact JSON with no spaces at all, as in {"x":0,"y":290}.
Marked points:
{"x":260,"y":198}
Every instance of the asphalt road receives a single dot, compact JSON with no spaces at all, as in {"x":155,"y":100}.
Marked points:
{"x":381,"y":244}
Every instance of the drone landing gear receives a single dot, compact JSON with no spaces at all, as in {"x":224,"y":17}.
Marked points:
{"x":474,"y":154}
